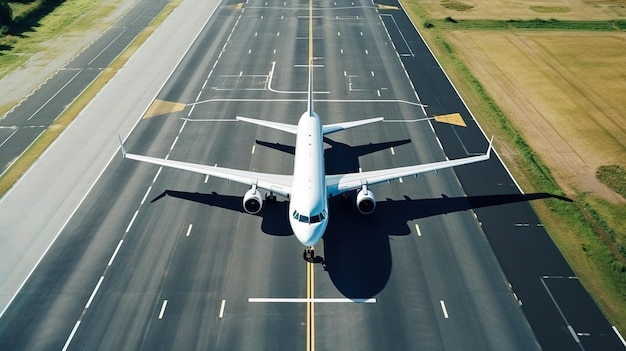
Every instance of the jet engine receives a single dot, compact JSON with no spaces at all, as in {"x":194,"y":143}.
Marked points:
{"x":252,"y":201}
{"x":365,"y":201}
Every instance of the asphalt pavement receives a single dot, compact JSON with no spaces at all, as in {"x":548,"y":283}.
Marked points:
{"x":164,"y":259}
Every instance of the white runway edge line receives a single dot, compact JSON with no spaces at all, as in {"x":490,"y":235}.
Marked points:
{"x":619,"y":335}
{"x":305,"y":300}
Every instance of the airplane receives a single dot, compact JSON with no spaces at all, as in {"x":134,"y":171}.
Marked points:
{"x":309,"y":187}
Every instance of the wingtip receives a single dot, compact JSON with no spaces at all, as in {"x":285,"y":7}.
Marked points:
{"x":122,"y":148}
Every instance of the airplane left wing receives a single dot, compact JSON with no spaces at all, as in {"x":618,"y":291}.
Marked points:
{"x":339,"y":183}
{"x":277,"y":183}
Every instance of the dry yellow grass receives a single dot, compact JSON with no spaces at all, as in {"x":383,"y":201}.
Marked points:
{"x":564,"y":91}
{"x":514,"y":9}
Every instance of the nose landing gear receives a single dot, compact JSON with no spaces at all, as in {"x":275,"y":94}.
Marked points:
{"x":309,"y":254}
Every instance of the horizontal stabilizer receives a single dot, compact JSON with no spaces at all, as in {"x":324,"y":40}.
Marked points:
{"x":331,"y":128}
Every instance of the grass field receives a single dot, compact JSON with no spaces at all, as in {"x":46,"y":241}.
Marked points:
{"x":515,"y":9}
{"x":555,"y":101}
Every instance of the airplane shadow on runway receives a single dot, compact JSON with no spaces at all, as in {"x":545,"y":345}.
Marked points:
{"x":357,"y":253}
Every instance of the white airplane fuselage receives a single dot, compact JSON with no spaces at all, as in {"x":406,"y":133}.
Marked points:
{"x":308,"y":206}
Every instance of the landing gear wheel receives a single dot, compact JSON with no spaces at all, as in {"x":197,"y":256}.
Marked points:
{"x":270,"y":197}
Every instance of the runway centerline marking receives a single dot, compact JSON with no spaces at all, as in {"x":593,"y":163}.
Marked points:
{"x":189,"y":230}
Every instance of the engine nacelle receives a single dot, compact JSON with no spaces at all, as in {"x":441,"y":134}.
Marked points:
{"x":365,"y":201}
{"x":253,"y":201}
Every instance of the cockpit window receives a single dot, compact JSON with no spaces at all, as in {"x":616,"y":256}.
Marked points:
{"x":313,"y":219}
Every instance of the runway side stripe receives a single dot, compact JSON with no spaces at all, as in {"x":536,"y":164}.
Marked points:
{"x":222,"y":309}
{"x":115,"y":252}
{"x":69,"y":339}
{"x":131,"y":221}
{"x":443,"y":308}
{"x":146,"y":195}
{"x":163,"y":309}
{"x":93,"y":293}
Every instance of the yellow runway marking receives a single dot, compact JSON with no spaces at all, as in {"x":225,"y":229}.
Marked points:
{"x":453,"y":118}
{"x":162,"y":107}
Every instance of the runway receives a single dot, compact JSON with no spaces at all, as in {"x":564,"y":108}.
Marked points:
{"x":163,"y":259}
{"x":21,"y":126}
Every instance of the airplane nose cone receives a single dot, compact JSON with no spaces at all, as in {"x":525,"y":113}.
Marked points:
{"x":309,"y":234}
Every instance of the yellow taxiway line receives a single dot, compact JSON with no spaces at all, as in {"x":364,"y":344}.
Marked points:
{"x":310,"y":306}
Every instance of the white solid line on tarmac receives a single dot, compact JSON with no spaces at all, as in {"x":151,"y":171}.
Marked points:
{"x":417,"y":229}
{"x":131,"y":221}
{"x":93,"y":293}
{"x":162,"y":309}
{"x":253,"y":146}
{"x":189,"y":230}
{"x":618,"y":335}
{"x":69,"y":339}
{"x":222,"y":309}
{"x":314,"y":300}
{"x":393,"y":152}
{"x":443,"y":308}
{"x":115,"y":252}
{"x":206,"y":179}
{"x":191,"y":110}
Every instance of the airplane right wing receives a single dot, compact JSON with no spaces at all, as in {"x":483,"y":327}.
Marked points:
{"x":339,"y":183}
